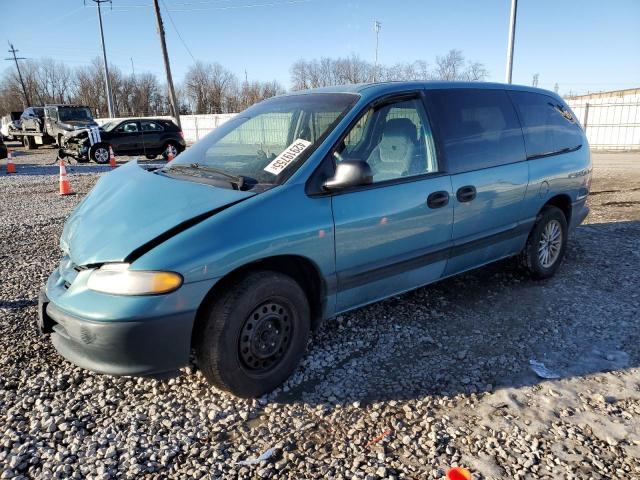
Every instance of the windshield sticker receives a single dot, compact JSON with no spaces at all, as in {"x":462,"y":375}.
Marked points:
{"x":287,"y":157}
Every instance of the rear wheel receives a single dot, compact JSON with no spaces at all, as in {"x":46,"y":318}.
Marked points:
{"x":99,"y":153}
{"x":254,"y":334}
{"x":169,"y":147}
{"x":547,"y":243}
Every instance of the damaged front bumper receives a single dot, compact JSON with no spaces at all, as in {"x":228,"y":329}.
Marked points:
{"x":119,"y":335}
{"x":76,"y":144}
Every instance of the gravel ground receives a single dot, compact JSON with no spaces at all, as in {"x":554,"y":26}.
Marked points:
{"x":401,"y":389}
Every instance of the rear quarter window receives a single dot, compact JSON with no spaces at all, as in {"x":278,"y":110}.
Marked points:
{"x":478,"y":128}
{"x":548,"y":126}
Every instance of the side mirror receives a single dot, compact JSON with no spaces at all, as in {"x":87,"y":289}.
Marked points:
{"x":350,"y":173}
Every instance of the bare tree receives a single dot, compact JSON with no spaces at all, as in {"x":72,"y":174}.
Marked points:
{"x":450,"y":66}
{"x":475,"y":72}
{"x":328,"y":71}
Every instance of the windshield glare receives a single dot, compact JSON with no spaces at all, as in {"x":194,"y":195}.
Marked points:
{"x":75,"y":113}
{"x":269,"y":139}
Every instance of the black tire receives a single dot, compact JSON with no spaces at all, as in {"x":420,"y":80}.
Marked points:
{"x":29,"y":142}
{"x":97,"y":153}
{"x":530,"y":256}
{"x":150,"y":157}
{"x":231,"y":349}
{"x":166,"y":146}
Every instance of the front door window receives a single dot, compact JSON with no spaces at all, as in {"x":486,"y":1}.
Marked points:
{"x":395,"y":140}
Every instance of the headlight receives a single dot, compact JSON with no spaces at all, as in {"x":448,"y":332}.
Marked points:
{"x":115,"y":278}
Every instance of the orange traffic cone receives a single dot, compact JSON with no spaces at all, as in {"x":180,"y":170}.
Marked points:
{"x":169,"y":155}
{"x":65,"y":186}
{"x":11,"y":167}
{"x":458,"y":473}
{"x":112,"y":158}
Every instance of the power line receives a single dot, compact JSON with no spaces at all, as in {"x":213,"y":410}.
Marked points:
{"x":178,"y":32}
{"x":13,"y":51}
{"x":125,"y":8}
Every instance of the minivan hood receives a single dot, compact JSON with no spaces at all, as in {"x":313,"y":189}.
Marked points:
{"x":130,"y":207}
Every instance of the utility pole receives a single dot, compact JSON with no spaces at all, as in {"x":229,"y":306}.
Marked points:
{"x":376,"y":28}
{"x":512,"y":34}
{"x":167,"y":67}
{"x":107,"y":81}
{"x":133,"y":69}
{"x":15,"y":59}
{"x":536,"y":77}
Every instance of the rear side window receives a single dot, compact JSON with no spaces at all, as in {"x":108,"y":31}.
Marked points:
{"x":478,"y":128}
{"x":148,"y":126}
{"x":548,"y":126}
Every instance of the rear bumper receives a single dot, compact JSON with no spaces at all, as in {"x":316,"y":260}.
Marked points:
{"x":140,"y":347}
{"x":579,"y":212}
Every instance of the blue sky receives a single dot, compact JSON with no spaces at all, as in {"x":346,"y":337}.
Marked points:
{"x":583,"y":45}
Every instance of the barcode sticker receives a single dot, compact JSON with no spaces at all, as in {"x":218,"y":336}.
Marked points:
{"x":287,"y":157}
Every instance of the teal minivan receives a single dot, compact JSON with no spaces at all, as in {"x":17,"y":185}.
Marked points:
{"x":305,"y":206}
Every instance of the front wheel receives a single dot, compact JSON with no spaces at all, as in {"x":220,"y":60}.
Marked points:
{"x":99,"y":153}
{"x":169,"y":148}
{"x":547,"y":243}
{"x":254,"y":334}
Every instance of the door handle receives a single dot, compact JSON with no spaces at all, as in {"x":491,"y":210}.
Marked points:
{"x":466,"y":193}
{"x":438,"y":199}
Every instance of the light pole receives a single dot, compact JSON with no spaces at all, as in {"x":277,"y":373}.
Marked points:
{"x":512,"y":34}
{"x":107,"y":81}
{"x":376,"y":28}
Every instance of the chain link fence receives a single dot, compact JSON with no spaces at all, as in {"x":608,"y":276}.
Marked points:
{"x":611,"y":120}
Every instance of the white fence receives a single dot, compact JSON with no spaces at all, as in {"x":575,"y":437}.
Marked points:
{"x":611,"y":121}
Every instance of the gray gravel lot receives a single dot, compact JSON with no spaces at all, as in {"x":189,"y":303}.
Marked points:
{"x":401,"y":389}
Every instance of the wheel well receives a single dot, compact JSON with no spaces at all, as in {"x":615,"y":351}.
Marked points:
{"x":301,"y":269}
{"x":563,"y":202}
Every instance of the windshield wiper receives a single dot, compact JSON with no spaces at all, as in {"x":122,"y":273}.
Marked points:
{"x":237,"y":180}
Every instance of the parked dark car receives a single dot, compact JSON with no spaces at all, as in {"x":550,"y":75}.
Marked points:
{"x":32,"y":119}
{"x":134,"y":136}
{"x":3,"y":149}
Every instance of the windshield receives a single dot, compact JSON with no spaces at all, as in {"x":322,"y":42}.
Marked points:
{"x":75,"y":113}
{"x":268,"y":141}
{"x":108,"y":126}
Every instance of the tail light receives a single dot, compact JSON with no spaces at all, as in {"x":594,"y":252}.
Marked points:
{"x":181,"y":134}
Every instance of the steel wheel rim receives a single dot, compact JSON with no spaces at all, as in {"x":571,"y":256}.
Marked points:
{"x":171,"y":150}
{"x":102,"y":155}
{"x":550,"y":243}
{"x":265,"y":337}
